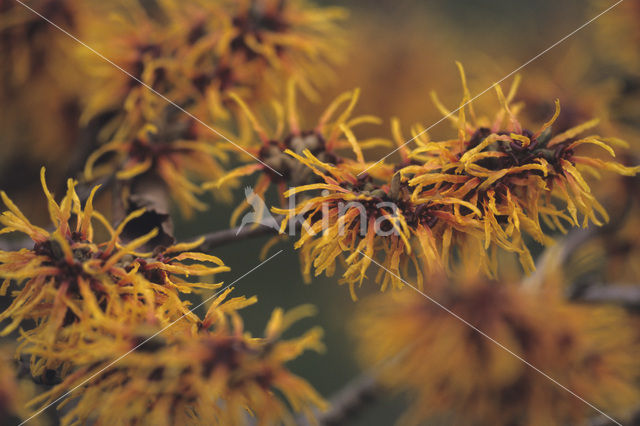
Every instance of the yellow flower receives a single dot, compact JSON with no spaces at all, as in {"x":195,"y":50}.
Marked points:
{"x":68,"y":277}
{"x":330,"y":137}
{"x":217,"y":375}
{"x":451,"y":371}
{"x":166,"y":273}
{"x":450,"y":202}
{"x":295,"y":36}
{"x":127,"y":36}
{"x":512,"y":175}
{"x":175,"y":149}
{"x":195,"y":53}
{"x":252,"y":47}
{"x":39,"y":90}
{"x":356,"y":220}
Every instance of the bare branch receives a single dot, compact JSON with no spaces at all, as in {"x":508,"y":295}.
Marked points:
{"x":352,"y":398}
{"x":626,"y":295}
{"x":227,"y":236}
{"x":348,"y":401}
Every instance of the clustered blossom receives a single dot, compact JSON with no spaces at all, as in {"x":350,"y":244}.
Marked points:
{"x":514,"y":176}
{"x":216,"y":373}
{"x":103,"y":309}
{"x":69,"y":277}
{"x":199,"y":56}
{"x":93,"y":301}
{"x":453,"y":372}
{"x":452,"y":202}
{"x":251,"y":47}
{"x":328,"y":140}
{"x":356,"y":220}
{"x":195,"y":53}
{"x":176,"y":151}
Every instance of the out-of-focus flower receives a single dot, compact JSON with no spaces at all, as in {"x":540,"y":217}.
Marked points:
{"x":39,"y":88}
{"x":331,"y":136}
{"x":28,"y":39}
{"x":616,"y":47}
{"x":176,"y":149}
{"x":252,"y":47}
{"x":195,"y":53}
{"x":14,"y":393}
{"x":70,"y":278}
{"x":513,"y":175}
{"x":451,"y":370}
{"x":606,"y":257}
{"x":125,"y":33}
{"x":217,"y":375}
{"x":617,"y":37}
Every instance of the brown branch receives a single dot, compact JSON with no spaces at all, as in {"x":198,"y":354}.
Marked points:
{"x":351,"y":399}
{"x":347,"y":402}
{"x":15,"y":244}
{"x":624,"y":295}
{"x":239,"y":233}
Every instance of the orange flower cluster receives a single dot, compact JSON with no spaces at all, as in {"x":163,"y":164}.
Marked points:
{"x":210,"y":53}
{"x":68,"y":277}
{"x":356,"y":220}
{"x":90,"y":300}
{"x":513,"y":176}
{"x":175,"y":150}
{"x":195,"y":53}
{"x":331,"y":137}
{"x":215,"y":374}
{"x":455,"y":373}
{"x":454,"y":201}
{"x":101,"y":308}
